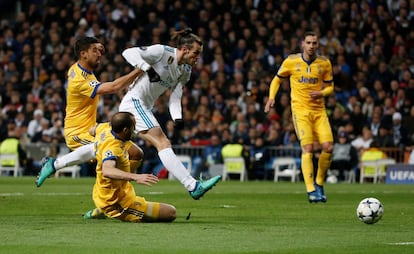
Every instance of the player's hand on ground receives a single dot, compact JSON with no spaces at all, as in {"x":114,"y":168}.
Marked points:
{"x":270,"y":103}
{"x":146,"y":179}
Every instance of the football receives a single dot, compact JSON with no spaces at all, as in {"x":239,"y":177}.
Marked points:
{"x":370,"y":210}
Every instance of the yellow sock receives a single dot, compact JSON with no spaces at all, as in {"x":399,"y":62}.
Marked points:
{"x":323,"y":165}
{"x":307,"y":171}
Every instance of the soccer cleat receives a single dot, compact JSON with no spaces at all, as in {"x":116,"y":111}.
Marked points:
{"x":203,"y":186}
{"x":47,"y":170}
{"x":314,"y":197}
{"x":321,"y":192}
{"x":88,"y":214}
{"x":94,"y":214}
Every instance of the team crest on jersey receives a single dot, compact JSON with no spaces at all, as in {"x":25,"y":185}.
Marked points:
{"x":108,"y":154}
{"x":170,"y":60}
{"x":298,"y":67}
{"x":93,"y":83}
{"x":72,"y":74}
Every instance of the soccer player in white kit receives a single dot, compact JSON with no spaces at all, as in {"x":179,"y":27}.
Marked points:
{"x":166,"y":67}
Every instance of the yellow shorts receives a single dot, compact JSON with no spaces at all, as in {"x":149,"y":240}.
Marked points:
{"x":77,"y":141}
{"x":140,"y":210}
{"x":312,"y":126}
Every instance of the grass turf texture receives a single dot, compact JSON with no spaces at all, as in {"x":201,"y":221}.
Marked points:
{"x":234,"y":217}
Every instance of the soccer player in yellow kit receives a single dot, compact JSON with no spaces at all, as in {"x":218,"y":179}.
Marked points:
{"x":83,"y":90}
{"x":311,"y":79}
{"x":113,"y":194}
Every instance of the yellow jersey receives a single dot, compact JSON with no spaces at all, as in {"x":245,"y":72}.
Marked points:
{"x":306,"y":77}
{"x":106,"y":191}
{"x":81,"y":101}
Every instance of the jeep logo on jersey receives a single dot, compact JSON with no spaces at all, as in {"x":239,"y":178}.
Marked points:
{"x":93,"y":83}
{"x":308,"y":80}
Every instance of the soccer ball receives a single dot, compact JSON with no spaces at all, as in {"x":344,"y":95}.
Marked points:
{"x":370,"y":210}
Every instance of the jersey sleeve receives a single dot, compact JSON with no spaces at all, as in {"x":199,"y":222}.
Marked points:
{"x":328,"y":75}
{"x":175,"y":102}
{"x":81,"y":85}
{"x":143,"y":57}
{"x":284,"y":70}
{"x":282,"y":73}
{"x":110,"y":150}
{"x":175,"y":98}
{"x":89,"y":88}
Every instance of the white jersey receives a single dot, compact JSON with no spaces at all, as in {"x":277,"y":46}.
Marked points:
{"x":173,"y":76}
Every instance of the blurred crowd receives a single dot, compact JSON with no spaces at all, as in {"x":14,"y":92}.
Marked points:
{"x":370,"y":45}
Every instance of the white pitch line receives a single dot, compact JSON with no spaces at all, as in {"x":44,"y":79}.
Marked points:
{"x":402,"y":243}
{"x":60,"y":194}
{"x":154,"y":193}
{"x":228,"y":206}
{"x":11,"y":194}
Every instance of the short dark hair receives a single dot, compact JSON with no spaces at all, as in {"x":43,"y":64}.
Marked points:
{"x":83,"y":44}
{"x":309,"y":33}
{"x":121,"y":120}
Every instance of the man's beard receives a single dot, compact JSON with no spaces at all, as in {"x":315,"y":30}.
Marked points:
{"x":95,"y":65}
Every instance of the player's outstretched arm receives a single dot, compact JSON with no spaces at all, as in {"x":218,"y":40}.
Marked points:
{"x":109,"y":170}
{"x":119,"y":83}
{"x":274,"y":87}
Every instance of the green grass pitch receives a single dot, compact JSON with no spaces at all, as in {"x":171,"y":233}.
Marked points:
{"x":234,"y":217}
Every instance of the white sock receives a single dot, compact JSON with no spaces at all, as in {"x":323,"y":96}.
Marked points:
{"x":80,"y":155}
{"x":176,"y":167}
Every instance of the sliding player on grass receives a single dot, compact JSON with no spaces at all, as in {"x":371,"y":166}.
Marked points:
{"x":113,"y":194}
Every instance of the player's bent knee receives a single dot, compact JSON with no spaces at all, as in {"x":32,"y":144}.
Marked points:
{"x":168,"y":213}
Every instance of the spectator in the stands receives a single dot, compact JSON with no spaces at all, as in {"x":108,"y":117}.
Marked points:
{"x":400,"y":134}
{"x":35,"y":125}
{"x":384,"y":137}
{"x":344,"y":156}
{"x":259,"y":156}
{"x":364,"y":140}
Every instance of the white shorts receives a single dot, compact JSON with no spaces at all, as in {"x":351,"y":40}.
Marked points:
{"x":144,"y":117}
